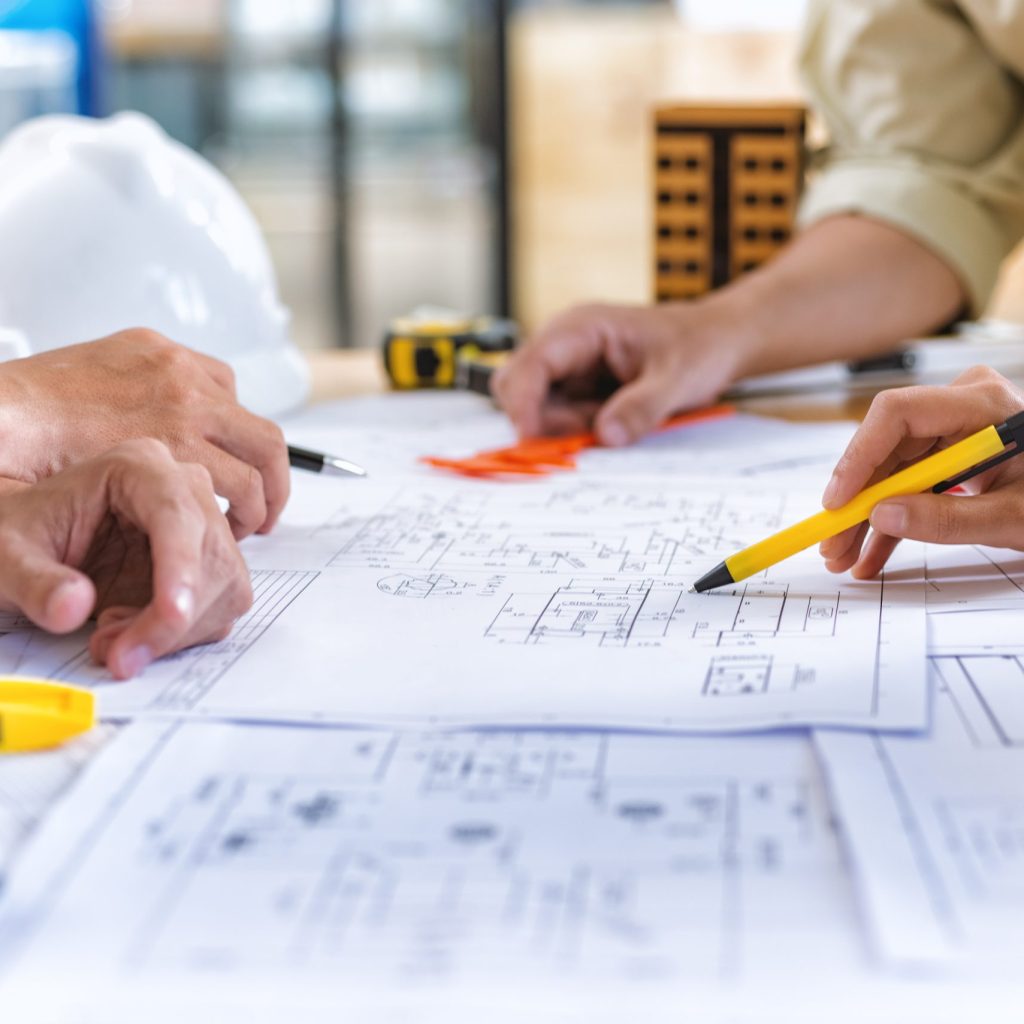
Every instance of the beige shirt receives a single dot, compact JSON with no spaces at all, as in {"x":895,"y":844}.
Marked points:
{"x":924,"y":103}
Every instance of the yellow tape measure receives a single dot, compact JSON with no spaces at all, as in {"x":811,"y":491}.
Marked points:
{"x":424,"y":350}
{"x":37,"y":714}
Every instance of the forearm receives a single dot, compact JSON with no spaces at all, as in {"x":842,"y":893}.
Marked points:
{"x":847,"y":288}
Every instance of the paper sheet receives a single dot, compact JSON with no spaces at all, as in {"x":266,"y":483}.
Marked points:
{"x":555,"y":602}
{"x":244,"y":857}
{"x":31,"y":783}
{"x":935,"y":824}
{"x":975,"y":600}
{"x":387,"y":435}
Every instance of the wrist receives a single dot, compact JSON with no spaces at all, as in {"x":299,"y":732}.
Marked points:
{"x":724,"y":324}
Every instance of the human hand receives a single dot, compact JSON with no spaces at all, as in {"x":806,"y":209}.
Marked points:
{"x":131,"y":535}
{"x":61,"y":407}
{"x":666,"y":358}
{"x":905,"y":425}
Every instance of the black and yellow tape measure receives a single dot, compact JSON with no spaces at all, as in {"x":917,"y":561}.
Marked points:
{"x":424,"y":351}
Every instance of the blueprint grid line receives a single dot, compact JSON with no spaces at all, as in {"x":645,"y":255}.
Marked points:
{"x":175,"y":683}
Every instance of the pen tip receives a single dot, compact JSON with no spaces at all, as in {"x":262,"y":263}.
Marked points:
{"x":718,"y":577}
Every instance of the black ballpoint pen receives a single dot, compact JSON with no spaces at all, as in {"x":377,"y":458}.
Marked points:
{"x":318,"y":462}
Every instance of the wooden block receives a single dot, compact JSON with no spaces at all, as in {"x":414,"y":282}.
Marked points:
{"x":584,"y":81}
{"x":727,"y":180}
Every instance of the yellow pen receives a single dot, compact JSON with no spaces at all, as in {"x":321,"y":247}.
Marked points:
{"x":966,"y":458}
{"x":37,"y":714}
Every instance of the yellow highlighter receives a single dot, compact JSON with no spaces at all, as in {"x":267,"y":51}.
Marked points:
{"x":37,"y":714}
{"x":938,"y":472}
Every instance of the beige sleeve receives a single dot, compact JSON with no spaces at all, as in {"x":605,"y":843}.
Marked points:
{"x":926,"y":129}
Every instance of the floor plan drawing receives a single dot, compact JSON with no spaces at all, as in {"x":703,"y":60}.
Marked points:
{"x":582,"y":527}
{"x":29,"y":785}
{"x":176,"y":683}
{"x":935,"y":824}
{"x":975,"y":600}
{"x":517,"y":649}
{"x":650,"y":611}
{"x":469,"y":603}
{"x":390,"y":857}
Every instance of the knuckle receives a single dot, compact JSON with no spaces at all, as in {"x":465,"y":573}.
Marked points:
{"x":976,"y":374}
{"x":147,"y":337}
{"x":1000,"y":393}
{"x":198,"y":476}
{"x":141,"y":450}
{"x":886,"y":402}
{"x":174,"y":359}
{"x":180,"y":391}
{"x":275,"y":440}
{"x":252,"y":484}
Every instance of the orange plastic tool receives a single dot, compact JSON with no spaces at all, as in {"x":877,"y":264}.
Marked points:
{"x":541,"y":456}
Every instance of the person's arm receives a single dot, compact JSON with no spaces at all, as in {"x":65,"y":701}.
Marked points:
{"x":133,"y":537}
{"x":846,"y":288}
{"x":903,"y":229}
{"x":903,"y":426}
{"x":60,"y":407}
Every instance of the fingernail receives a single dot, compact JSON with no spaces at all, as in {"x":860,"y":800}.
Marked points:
{"x":136,"y":660}
{"x":184,"y":602}
{"x":890,"y":517}
{"x":831,"y":490}
{"x":614,"y":435}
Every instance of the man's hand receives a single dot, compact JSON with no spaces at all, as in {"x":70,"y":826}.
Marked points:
{"x":133,"y":536}
{"x":905,"y":425}
{"x":61,"y":407}
{"x":846,"y":288}
{"x":666,"y":358}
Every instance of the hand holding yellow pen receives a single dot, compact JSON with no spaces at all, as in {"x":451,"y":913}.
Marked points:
{"x":938,"y":472}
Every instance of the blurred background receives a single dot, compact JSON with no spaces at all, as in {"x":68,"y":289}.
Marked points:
{"x":486,"y":155}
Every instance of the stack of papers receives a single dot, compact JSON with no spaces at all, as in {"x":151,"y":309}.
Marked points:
{"x":478,"y":738}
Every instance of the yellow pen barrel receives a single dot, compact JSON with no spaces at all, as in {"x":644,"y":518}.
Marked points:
{"x":922,"y":476}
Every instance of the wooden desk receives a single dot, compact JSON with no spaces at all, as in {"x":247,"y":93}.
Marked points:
{"x":346,"y":374}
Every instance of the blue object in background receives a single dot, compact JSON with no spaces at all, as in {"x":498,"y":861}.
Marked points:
{"x":77,"y":19}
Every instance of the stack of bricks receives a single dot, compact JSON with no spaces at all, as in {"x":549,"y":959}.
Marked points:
{"x":727,"y":184}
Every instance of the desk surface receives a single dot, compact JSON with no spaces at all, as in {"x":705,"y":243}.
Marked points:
{"x":346,"y":374}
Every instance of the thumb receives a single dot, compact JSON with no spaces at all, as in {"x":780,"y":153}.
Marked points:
{"x":55,"y":597}
{"x":636,"y":408}
{"x":992,"y":518}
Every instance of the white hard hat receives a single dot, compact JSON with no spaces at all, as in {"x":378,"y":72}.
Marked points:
{"x":110,"y":224}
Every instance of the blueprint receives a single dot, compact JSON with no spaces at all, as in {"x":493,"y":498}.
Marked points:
{"x":183,"y":677}
{"x":975,"y":600}
{"x":31,"y":783}
{"x":196,"y":853}
{"x":388,"y":434}
{"x":935,"y":824}
{"x":300,"y":817}
{"x":480,"y":603}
